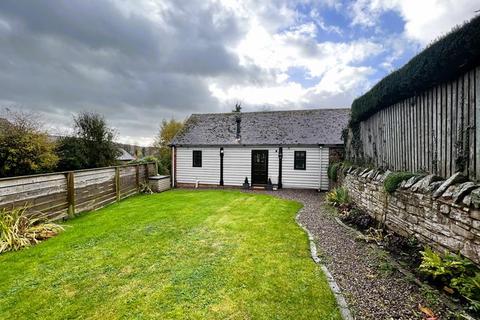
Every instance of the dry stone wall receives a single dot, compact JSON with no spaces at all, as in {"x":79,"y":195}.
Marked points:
{"x":442,"y":213}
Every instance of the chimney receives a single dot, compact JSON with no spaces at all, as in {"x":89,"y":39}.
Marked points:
{"x":238,"y":119}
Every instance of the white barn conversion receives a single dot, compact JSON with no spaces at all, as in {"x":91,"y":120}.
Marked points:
{"x":290,"y":149}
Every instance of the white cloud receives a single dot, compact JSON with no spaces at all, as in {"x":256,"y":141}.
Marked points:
{"x":424,"y":20}
{"x":330,"y":65}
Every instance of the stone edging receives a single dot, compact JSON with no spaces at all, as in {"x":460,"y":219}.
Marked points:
{"x":337,"y":292}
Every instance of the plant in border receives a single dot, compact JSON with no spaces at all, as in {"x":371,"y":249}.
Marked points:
{"x":145,"y":188}
{"x":393,"y":180}
{"x":338,"y":197}
{"x":332,"y":171}
{"x":19,"y":229}
{"x":455,"y":272}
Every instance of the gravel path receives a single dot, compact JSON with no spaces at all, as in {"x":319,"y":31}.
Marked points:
{"x":373,"y":288}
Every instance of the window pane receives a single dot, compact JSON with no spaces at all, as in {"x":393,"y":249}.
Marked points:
{"x":197,"y":158}
{"x":300,"y":160}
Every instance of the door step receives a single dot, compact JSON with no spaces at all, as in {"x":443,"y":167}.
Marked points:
{"x":258,"y":187}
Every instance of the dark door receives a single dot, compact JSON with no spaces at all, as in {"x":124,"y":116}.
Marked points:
{"x":259,"y":166}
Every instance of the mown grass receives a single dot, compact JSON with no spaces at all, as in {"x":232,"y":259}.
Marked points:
{"x":176,"y":255}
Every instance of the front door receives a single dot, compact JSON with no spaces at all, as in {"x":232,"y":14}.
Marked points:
{"x":259,"y":166}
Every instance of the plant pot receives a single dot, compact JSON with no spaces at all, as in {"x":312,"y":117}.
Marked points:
{"x":269,"y":187}
{"x":246,"y":186}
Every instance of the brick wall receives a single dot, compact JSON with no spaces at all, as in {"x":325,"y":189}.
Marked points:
{"x":442,"y":213}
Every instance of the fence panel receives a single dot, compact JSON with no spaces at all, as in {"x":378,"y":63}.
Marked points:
{"x":62,"y":194}
{"x":436,"y":131}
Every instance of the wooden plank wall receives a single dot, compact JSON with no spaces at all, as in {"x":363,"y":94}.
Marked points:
{"x":433,"y":131}
{"x":62,"y":194}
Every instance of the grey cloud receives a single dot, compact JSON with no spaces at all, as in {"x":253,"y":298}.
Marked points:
{"x":60,"y":57}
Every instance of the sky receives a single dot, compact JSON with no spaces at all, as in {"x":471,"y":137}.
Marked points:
{"x":140,"y":61}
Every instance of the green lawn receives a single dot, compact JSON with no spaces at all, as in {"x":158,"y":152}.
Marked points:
{"x":175,"y":255}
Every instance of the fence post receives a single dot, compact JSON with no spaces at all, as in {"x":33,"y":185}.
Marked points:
{"x":71,"y":193}
{"x":117,"y":182}
{"x":137,"y":177}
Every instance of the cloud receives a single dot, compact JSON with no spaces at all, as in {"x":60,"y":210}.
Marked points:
{"x":140,"y":61}
{"x":425,"y":20}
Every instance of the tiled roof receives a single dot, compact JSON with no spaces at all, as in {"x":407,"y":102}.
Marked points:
{"x":297,"y":127}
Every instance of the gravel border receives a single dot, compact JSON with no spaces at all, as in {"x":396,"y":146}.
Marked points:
{"x":372,"y":285}
{"x":337,"y":292}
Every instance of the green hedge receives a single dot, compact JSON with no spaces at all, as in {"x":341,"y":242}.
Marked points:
{"x":443,"y":61}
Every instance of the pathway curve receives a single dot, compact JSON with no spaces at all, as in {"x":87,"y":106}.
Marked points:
{"x":373,"y":288}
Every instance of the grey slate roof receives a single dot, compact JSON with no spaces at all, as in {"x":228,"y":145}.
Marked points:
{"x":124,"y":155}
{"x":297,"y":127}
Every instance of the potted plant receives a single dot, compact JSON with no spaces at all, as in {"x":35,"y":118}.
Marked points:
{"x":246,"y":185}
{"x":269,"y":185}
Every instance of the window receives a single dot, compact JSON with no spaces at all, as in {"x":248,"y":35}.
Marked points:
{"x":300,"y":160}
{"x":197,"y":158}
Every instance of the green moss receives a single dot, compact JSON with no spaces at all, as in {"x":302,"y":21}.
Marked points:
{"x":394,"y":179}
{"x":442,"y":61}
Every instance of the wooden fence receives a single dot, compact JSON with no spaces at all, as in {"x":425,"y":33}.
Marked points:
{"x":437,"y":131}
{"x":63,"y":194}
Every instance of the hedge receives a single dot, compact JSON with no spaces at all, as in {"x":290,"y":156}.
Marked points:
{"x":442,"y":61}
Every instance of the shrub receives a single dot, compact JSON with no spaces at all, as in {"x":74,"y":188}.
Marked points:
{"x":145,"y":188}
{"x":394,"y":179}
{"x":19,"y":230}
{"x":24,"y":146}
{"x":442,"y":61}
{"x":455,"y":271}
{"x":360,"y":219}
{"x":149,"y":159}
{"x":332,"y":171}
{"x":338,"y":196}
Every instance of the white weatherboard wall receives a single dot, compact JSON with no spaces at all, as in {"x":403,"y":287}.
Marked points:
{"x":315,"y":173}
{"x":208,"y":173}
{"x":237,"y":164}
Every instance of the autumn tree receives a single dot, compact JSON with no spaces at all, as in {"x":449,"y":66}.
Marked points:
{"x":168,"y":130}
{"x":24,"y":146}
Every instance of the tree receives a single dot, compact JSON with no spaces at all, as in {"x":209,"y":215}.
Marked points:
{"x":24,"y":147}
{"x":70,"y":151}
{"x":168,"y":130}
{"x":91,"y":145}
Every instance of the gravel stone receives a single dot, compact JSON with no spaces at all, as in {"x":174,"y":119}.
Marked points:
{"x":359,"y":268}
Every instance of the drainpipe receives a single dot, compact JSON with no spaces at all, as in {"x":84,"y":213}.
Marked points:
{"x":321,"y":168}
{"x":221,"y":166}
{"x":173,"y":167}
{"x":280,"y":157}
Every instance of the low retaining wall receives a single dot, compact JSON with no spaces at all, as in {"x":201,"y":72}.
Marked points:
{"x":442,"y":213}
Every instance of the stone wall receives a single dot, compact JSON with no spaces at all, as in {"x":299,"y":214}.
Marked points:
{"x":442,"y":213}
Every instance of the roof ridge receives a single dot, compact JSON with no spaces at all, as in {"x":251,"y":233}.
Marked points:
{"x":271,"y":111}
